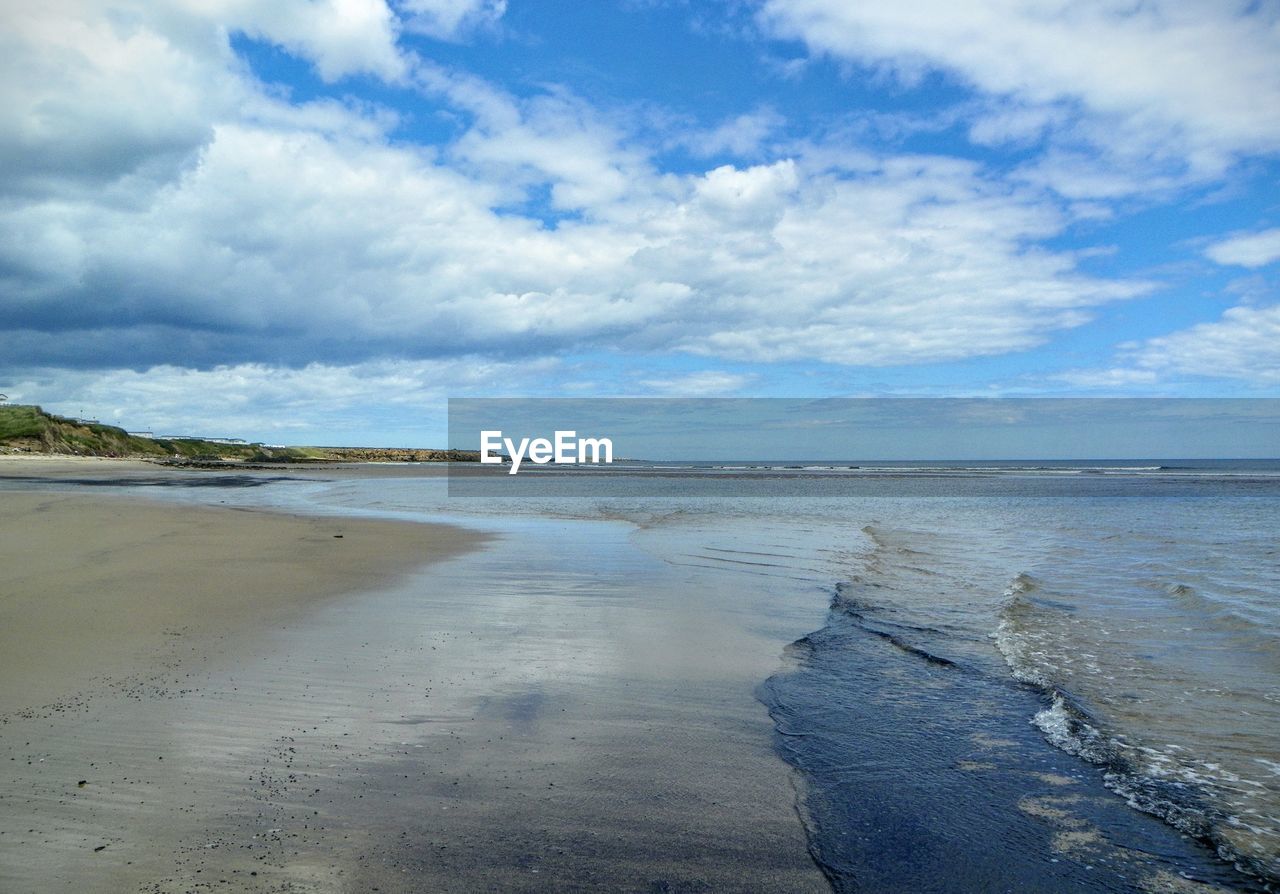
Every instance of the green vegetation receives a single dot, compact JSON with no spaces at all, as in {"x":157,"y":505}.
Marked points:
{"x":29,"y":429}
{"x":21,"y":422}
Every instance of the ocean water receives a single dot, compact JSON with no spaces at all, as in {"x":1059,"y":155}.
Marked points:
{"x":1022,"y":676}
{"x":1126,"y":613}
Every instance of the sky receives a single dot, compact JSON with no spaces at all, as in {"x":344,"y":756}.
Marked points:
{"x":862,"y":429}
{"x":314,"y":221}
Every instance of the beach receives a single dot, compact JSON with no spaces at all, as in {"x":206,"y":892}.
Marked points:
{"x":643,"y":446}
{"x":97,"y":587}
{"x":349,"y":678}
{"x":201,"y":694}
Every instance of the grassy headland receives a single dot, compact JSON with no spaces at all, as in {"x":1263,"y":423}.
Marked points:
{"x":29,"y":429}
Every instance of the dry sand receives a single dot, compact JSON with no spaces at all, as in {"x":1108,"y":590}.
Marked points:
{"x":94,"y":587}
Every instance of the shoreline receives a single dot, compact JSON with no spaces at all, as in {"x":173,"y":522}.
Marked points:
{"x":100,"y":586}
{"x":554,"y":711}
{"x":582,"y":703}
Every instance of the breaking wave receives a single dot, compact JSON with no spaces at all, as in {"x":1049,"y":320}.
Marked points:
{"x":1170,"y":784}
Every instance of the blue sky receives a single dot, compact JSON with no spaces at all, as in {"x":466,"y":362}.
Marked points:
{"x":315,"y":220}
{"x":858,"y":429}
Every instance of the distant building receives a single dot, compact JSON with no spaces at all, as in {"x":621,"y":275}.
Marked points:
{"x":140,"y":434}
{"x":199,"y":438}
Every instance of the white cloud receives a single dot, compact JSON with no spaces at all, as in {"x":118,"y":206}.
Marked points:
{"x":90,"y":94}
{"x":1251,"y":250}
{"x":92,"y":98}
{"x":1118,"y":378}
{"x":313,"y":238}
{"x":705,"y":383}
{"x":451,"y":19}
{"x":553,"y":140}
{"x":1176,"y":84}
{"x":302,"y":234}
{"x":340,"y":37}
{"x":225,"y":226}
{"x":916,"y":259}
{"x":286,"y":404}
{"x":743,"y":136}
{"x":1243,"y":345}
{"x":1012,"y":123}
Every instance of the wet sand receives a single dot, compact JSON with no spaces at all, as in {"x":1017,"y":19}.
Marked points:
{"x":556,"y":710}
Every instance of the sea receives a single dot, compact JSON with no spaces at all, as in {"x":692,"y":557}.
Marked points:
{"x":1079,"y":658}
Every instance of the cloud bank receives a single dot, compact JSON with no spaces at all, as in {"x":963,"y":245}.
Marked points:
{"x":244,"y":228}
{"x":164,"y":208}
{"x":1170,"y":85}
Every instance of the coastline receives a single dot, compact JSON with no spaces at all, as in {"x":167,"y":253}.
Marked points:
{"x":552,"y":710}
{"x":97,"y":586}
{"x":579,"y":704}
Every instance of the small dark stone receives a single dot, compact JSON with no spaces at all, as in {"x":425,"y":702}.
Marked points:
{"x":337,"y":536}
{"x":101,"y":847}
{"x":82,"y":783}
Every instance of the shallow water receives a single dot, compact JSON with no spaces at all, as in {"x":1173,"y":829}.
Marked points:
{"x":1137,"y":606}
{"x":1138,"y":603}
